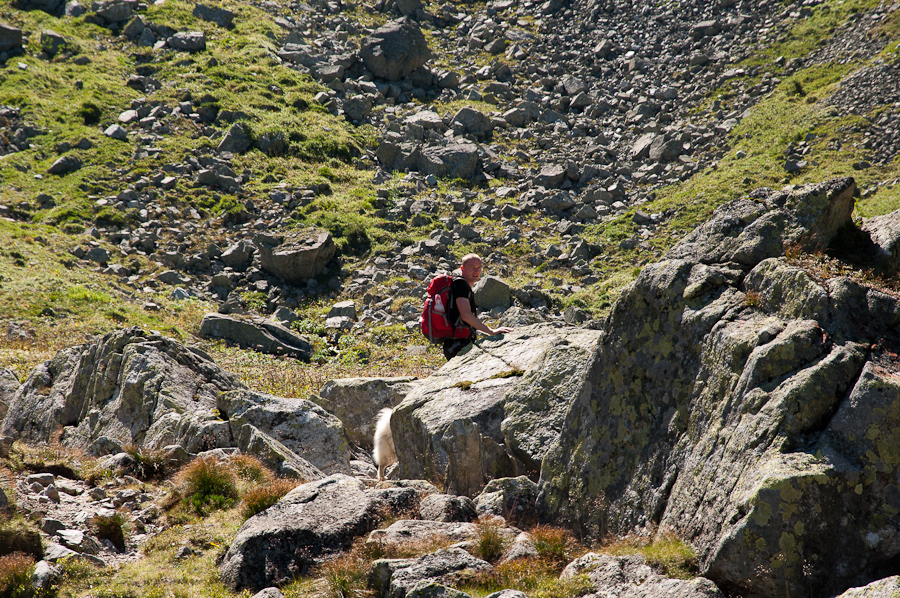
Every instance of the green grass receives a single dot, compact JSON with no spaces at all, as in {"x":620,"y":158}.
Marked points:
{"x":665,"y":552}
{"x":809,"y":34}
{"x":206,"y":486}
{"x":535,"y":577}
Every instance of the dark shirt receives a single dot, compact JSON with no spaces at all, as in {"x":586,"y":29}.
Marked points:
{"x":460,"y":289}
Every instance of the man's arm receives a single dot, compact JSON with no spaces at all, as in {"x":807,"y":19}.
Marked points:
{"x":466,"y":315}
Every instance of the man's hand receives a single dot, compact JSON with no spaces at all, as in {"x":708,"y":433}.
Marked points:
{"x":501,"y":330}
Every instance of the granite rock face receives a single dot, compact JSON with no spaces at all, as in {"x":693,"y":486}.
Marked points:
{"x":745,"y":405}
{"x":493,"y":410}
{"x":632,"y":577}
{"x":129,"y":387}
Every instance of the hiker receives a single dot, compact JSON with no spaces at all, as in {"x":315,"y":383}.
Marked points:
{"x":463,"y":307}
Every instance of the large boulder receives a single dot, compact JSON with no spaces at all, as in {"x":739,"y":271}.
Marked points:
{"x":746,"y":405}
{"x":473,"y":121}
{"x":493,"y":410}
{"x":395,"y":50}
{"x":114,"y":11}
{"x":53,"y":7}
{"x":259,"y":334}
{"x":215,"y":14}
{"x":297,"y":256}
{"x":413,"y":532}
{"x":888,"y":587}
{"x":454,"y":160}
{"x":491,"y":292}
{"x":447,"y":507}
{"x":300,"y":425}
{"x":442,"y":567}
{"x":312,"y":524}
{"x":357,"y":401}
{"x":884,"y":232}
{"x":10,"y":38}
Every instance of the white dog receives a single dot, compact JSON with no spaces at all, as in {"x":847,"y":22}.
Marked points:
{"x":384,"y":452}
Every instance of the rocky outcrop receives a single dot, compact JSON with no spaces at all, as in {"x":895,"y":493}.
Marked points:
{"x":632,"y":577}
{"x":357,"y":401}
{"x":744,"y":404}
{"x":493,"y":410}
{"x":414,"y":532}
{"x":9,"y":384}
{"x":259,"y":334}
{"x":446,"y":507}
{"x":136,"y":388}
{"x":129,"y":387}
{"x":312,"y":524}
{"x":297,"y":256}
{"x":885,"y":234}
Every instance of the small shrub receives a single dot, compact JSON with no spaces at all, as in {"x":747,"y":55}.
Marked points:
{"x":795,"y":88}
{"x":346,"y":577}
{"x":254,"y":300}
{"x":148,"y":465}
{"x":553,"y":544}
{"x":489,"y":541}
{"x":673,"y":556}
{"x":206,"y":486}
{"x":15,"y":575}
{"x":407,"y":550}
{"x":110,"y":528}
{"x":251,"y":469}
{"x":309,"y":327}
{"x":261,"y":498}
{"x":751,"y":299}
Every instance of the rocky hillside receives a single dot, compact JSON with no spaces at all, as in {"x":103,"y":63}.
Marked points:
{"x":158,"y":153}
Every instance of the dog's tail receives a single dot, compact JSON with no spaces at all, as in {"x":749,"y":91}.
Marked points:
{"x":384,"y":452}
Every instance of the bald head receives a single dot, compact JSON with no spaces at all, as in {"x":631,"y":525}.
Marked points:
{"x":471,"y":268}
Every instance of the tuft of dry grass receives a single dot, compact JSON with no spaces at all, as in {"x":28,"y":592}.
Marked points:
{"x":148,"y":464}
{"x":555,"y":545}
{"x":250,"y":469}
{"x":489,"y":541}
{"x":264,"y":496}
{"x":55,"y":458}
{"x":15,"y":575}
{"x":111,"y":528}
{"x":204,"y":485}
{"x":407,"y":550}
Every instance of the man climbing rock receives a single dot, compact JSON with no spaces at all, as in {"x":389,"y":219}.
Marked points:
{"x":463,"y":308}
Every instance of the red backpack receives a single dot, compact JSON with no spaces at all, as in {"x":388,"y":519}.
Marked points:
{"x":436,"y":323}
